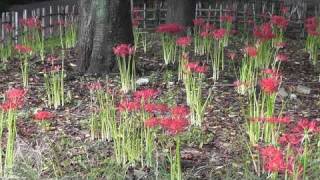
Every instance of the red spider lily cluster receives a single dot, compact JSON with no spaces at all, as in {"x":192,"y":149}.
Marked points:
{"x":8,"y":27}
{"x":14,"y":98}
{"x":23,"y":49}
{"x":281,"y":120}
{"x":129,"y":106}
{"x":219,"y":33}
{"x":292,"y":139}
{"x":145,"y":94}
{"x":226,"y":18}
{"x":173,"y":125}
{"x":251,"y":51}
{"x":196,"y":67}
{"x":273,"y":159}
{"x":305,"y":125}
{"x":43,"y":115}
{"x":263,"y":32}
{"x":198,"y":22}
{"x":123,"y":50}
{"x":156,"y":108}
{"x":171,"y":28}
{"x":281,"y":57}
{"x":279,"y":21}
{"x":311,"y":25}
{"x":136,"y":18}
{"x":295,"y":135}
{"x":269,"y":85}
{"x":184,"y":41}
{"x":272,"y":73}
{"x":30,"y":22}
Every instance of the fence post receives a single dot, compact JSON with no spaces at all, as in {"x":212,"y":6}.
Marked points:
{"x":66,"y":14}
{"x":50,"y":21}
{"x":24,"y":18}
{"x":221,"y":14}
{"x":209,"y":14}
{"x":3,"y":16}
{"x":144,"y":15}
{"x":43,"y":22}
{"x":16,"y":27}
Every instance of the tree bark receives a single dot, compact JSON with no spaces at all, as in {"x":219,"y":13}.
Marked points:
{"x":103,"y":24}
{"x":181,"y":11}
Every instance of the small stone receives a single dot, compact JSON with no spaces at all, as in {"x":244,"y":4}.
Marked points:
{"x":283,"y":93}
{"x":293,"y":96}
{"x":303,"y":89}
{"x":142,"y":81}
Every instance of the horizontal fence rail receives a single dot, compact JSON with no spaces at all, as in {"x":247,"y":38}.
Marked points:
{"x":150,"y":17}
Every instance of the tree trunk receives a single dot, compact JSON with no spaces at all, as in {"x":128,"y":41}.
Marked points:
{"x":103,"y":24}
{"x":181,"y":11}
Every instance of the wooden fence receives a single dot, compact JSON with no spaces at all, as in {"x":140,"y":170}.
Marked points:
{"x":152,"y":17}
{"x":49,"y":18}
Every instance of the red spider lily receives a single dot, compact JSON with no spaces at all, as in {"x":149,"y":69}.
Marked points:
{"x":180,"y":111}
{"x":165,"y":122}
{"x":204,"y":34}
{"x":184,"y":41}
{"x":197,"y":68}
{"x":273,"y":159}
{"x":145,"y":94}
{"x":135,"y":23}
{"x":169,"y":28}
{"x":198,"y":21}
{"x":8,"y":27}
{"x":22,"y":49}
{"x":207,"y":27}
{"x":290,"y":138}
{"x":284,"y":119}
{"x":251,"y":51}
{"x":227,"y":19}
{"x":263,"y":32}
{"x":152,"y":122}
{"x":219,"y":33}
{"x":313,"y":33}
{"x":269,"y":85}
{"x":94,"y":86}
{"x":15,"y":94}
{"x":174,"y":126}
{"x":279,"y":21}
{"x":192,"y":65}
{"x":281,"y":57}
{"x":272,"y":72}
{"x":10,"y":105}
{"x":311,"y":24}
{"x":284,"y":10}
{"x":43,"y":115}
{"x":201,"y":69}
{"x":152,"y":108}
{"x":30,"y":22}
{"x":232,"y":55}
{"x":123,"y":50}
{"x":304,"y":125}
{"x":136,"y":11}
{"x":129,"y":106}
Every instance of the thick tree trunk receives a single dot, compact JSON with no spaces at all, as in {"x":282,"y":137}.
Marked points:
{"x":181,"y":11}
{"x":103,"y":24}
